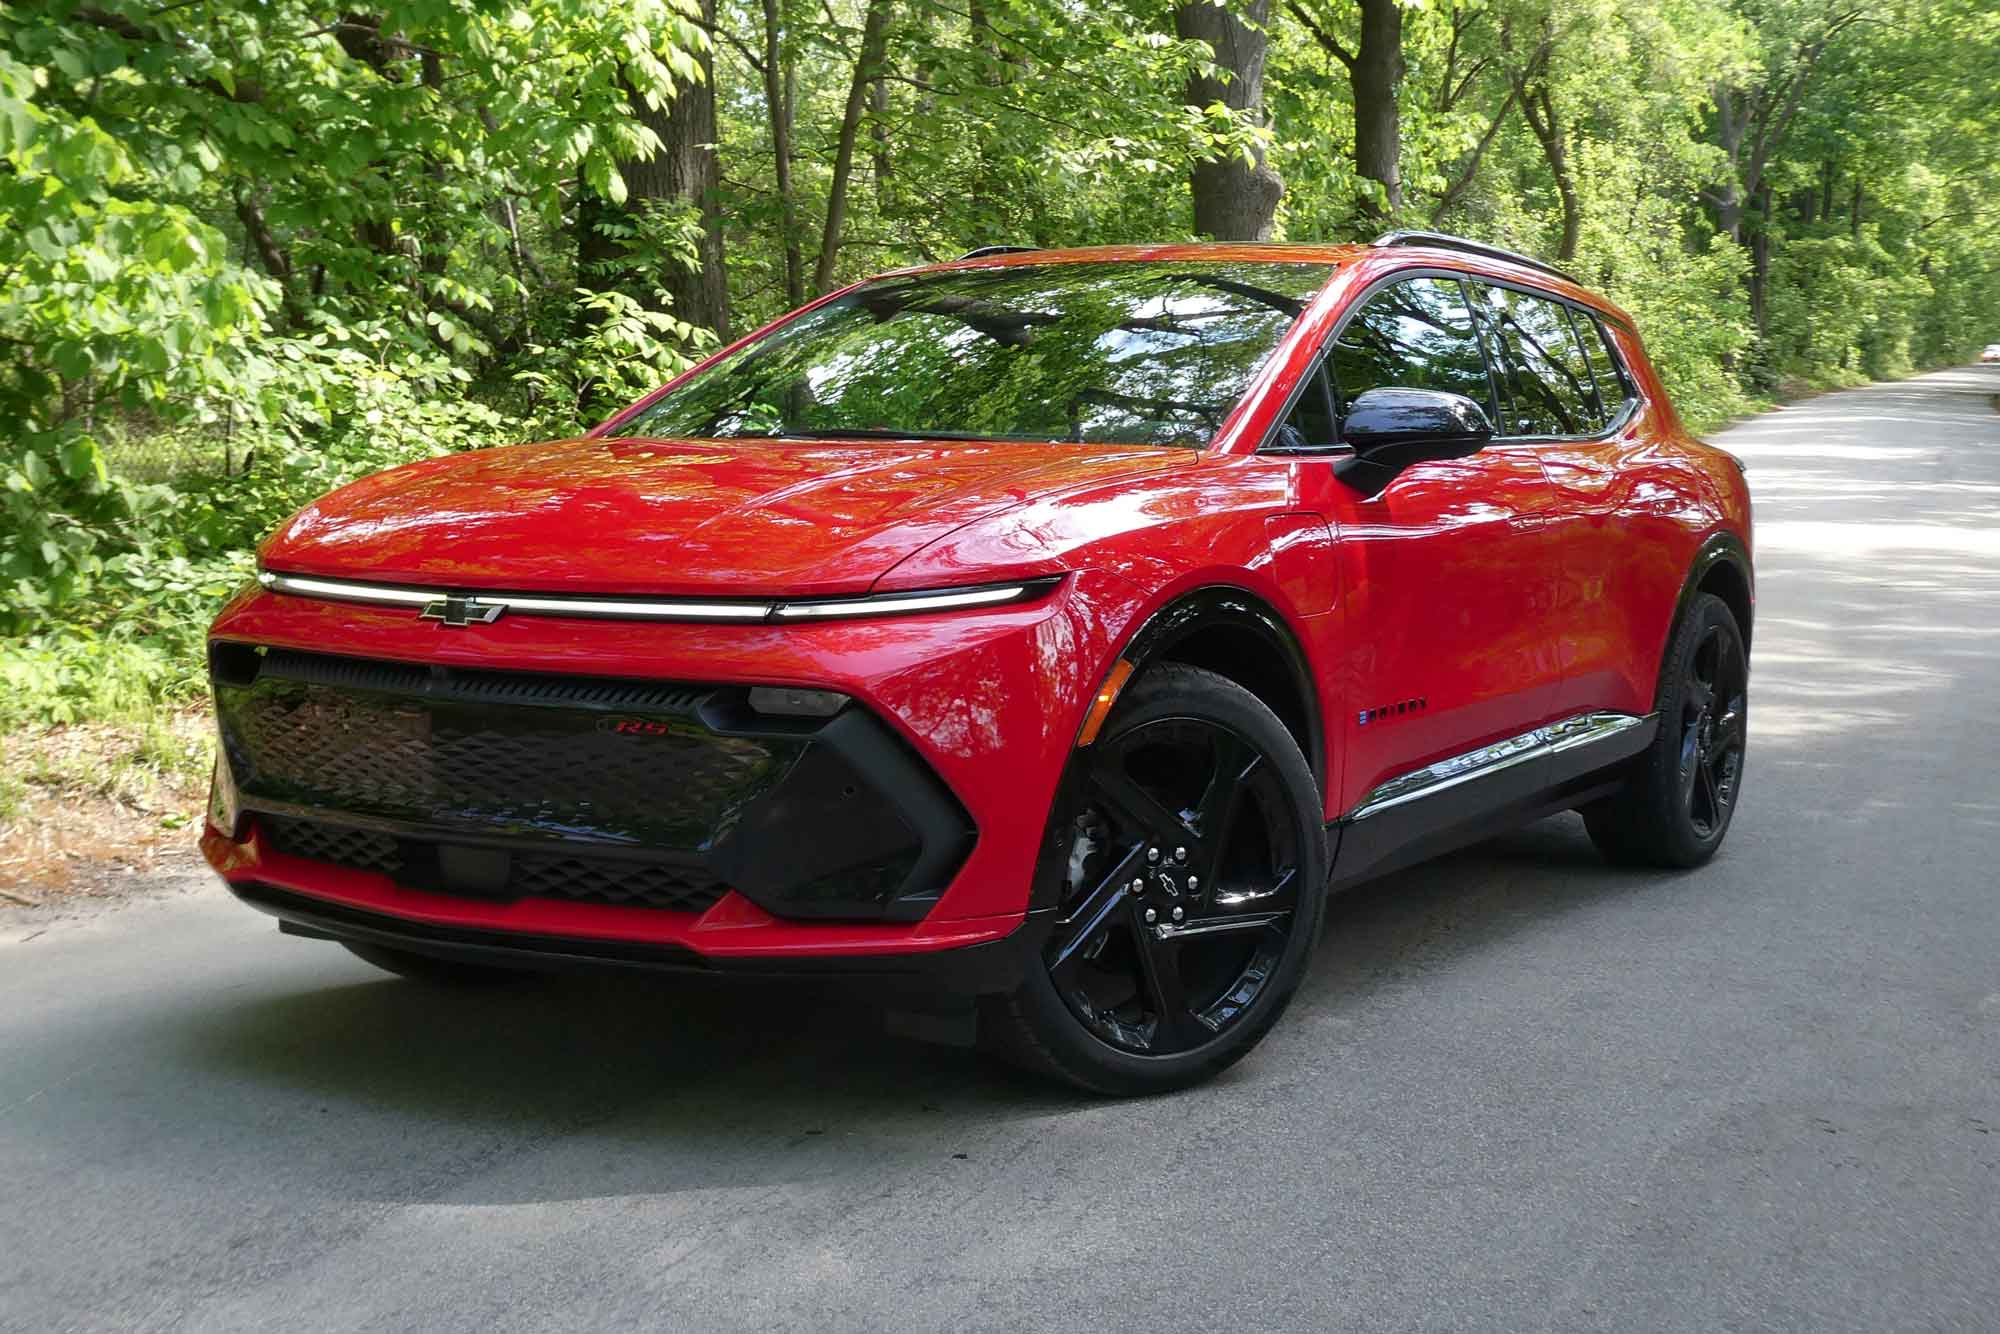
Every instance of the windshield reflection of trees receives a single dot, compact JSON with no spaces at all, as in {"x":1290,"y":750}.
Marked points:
{"x":1116,"y":353}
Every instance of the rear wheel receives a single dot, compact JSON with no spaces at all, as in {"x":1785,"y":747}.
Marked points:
{"x":1683,"y":793}
{"x":428,"y":968}
{"x":1189,"y":857}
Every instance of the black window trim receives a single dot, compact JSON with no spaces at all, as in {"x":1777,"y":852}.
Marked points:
{"x":1317,"y":369}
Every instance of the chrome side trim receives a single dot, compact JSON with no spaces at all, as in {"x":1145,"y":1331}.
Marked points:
{"x":650,"y":609}
{"x":1585,"y":729}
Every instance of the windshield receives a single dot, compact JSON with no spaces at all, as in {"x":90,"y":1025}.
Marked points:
{"x":1142,"y":353}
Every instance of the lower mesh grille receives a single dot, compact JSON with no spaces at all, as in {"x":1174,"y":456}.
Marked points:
{"x":603,"y":880}
{"x":543,"y":875}
{"x":342,"y":845}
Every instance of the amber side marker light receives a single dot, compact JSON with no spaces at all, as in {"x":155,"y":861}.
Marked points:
{"x":1107,"y":695}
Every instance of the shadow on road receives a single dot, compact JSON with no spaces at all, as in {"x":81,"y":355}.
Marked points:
{"x":712,"y":1058}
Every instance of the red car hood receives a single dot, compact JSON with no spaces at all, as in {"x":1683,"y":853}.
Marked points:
{"x":676,"y":517}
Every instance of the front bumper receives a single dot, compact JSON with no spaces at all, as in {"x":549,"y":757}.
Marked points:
{"x":978,"y":968}
{"x":985,"y":703}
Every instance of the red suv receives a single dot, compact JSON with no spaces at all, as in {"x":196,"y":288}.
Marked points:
{"x":1048,"y":632}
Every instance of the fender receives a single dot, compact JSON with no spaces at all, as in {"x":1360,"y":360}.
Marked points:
{"x":1718,"y":548}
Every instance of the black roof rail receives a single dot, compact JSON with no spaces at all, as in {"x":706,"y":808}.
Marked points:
{"x":1446,"y":241}
{"x":985,"y":250}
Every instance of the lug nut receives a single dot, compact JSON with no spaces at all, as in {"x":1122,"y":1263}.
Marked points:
{"x":1137,"y":885}
{"x":1152,"y":916}
{"x":1193,"y":880}
{"x":1177,"y":914}
{"x":1180,"y":854}
{"x":1152,"y":854}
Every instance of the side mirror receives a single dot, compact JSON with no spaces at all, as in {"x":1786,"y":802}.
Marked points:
{"x":1390,"y":429}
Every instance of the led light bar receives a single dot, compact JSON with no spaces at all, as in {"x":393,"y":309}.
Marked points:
{"x":342,"y":591}
{"x":895,"y":603}
{"x":459,"y":609}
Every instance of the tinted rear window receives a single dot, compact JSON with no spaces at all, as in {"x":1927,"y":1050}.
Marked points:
{"x":1545,"y":382}
{"x":1151,"y":353}
{"x":1612,"y":390}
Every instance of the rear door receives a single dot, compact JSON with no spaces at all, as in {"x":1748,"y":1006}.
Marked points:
{"x":1565,"y":394}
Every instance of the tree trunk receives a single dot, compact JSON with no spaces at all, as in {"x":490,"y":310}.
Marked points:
{"x":878,"y":135}
{"x":1728,"y":198}
{"x":1760,"y":263}
{"x":272,"y":254}
{"x":778,"y":103}
{"x":1376,"y":76}
{"x":867,"y":66}
{"x":685,"y":172}
{"x":1826,"y":177}
{"x":1234,"y":200}
{"x":1854,"y":210}
{"x":1539,"y":108}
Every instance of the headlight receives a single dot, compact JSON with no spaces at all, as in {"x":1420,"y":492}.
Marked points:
{"x":484,"y":608}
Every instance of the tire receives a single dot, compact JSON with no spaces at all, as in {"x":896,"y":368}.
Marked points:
{"x":431,"y":969}
{"x":1121,"y":1004}
{"x":1683,"y":793}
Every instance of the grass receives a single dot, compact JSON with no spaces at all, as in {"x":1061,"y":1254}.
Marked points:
{"x":84,"y":804}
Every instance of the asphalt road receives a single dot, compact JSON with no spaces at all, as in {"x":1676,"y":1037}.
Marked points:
{"x":1520,"y":1090}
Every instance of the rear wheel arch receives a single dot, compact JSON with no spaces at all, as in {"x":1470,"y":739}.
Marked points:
{"x":1721,"y":566}
{"x":1726,"y":575}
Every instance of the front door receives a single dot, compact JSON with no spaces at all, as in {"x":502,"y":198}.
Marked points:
{"x":1449,"y":571}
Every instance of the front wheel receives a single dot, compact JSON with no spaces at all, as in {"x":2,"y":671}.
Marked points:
{"x":1683,"y":791}
{"x":1189,"y":858}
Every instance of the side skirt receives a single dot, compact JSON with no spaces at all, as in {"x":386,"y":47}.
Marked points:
{"x":1460,"y":800}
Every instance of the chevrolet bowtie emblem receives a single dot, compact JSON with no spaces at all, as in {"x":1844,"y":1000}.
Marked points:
{"x":462,"y":612}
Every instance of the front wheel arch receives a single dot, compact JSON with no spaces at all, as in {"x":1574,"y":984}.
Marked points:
{"x":1232,"y":632}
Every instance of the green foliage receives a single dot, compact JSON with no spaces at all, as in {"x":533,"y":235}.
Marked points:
{"x":279,"y":246}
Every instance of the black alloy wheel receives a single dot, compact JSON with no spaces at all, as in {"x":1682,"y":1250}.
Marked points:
{"x":1713,"y":706}
{"x":1684,"y":788}
{"x":1189,"y":869}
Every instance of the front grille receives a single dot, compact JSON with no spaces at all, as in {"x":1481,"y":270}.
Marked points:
{"x":487,"y":752}
{"x":510,"y":785}
{"x":576,"y":878}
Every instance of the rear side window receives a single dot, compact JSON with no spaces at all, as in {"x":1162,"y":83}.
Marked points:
{"x":1415,"y":334}
{"x":1613,"y":392}
{"x":1546,"y":386}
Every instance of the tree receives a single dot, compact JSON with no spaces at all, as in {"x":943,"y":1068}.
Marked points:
{"x":867,"y":75}
{"x":1375,"y":69}
{"x":1752,"y":120}
{"x":1235,"y":195}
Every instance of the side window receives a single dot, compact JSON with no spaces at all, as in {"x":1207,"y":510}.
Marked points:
{"x":1310,"y":423}
{"x":1545,"y":382}
{"x":1612,"y":390}
{"x":1416,"y":334}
